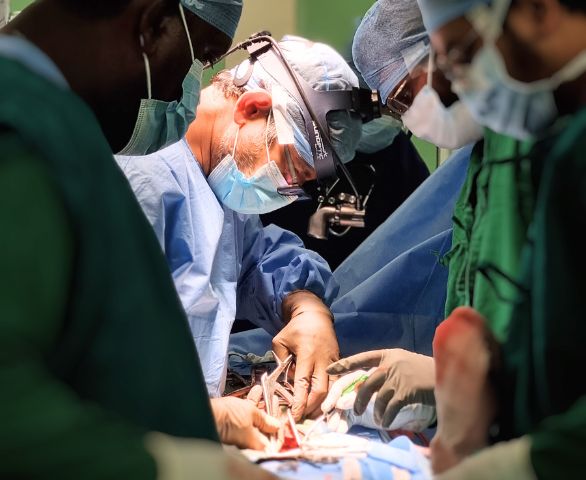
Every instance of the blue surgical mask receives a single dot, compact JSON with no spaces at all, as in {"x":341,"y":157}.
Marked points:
{"x":498,"y":101}
{"x":378,"y":134}
{"x":159,"y":123}
{"x":251,"y":195}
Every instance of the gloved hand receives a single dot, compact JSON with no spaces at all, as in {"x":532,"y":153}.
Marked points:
{"x":241,"y":423}
{"x":189,"y":458}
{"x":401,"y":378}
{"x":340,"y":400}
{"x":309,"y":335}
{"x":338,"y":407}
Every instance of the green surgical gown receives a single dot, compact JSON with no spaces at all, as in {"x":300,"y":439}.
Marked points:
{"x":545,"y":354}
{"x":490,"y":225}
{"x":95,"y":349}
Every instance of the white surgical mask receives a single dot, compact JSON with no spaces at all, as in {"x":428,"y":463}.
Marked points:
{"x":430,"y":120}
{"x":495,"y":99}
{"x":251,"y":195}
{"x":521,"y":110}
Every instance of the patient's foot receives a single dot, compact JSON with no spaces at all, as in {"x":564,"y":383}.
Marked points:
{"x":464,"y":397}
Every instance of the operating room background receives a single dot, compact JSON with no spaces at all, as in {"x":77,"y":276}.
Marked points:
{"x":399,"y":167}
{"x":330,"y":21}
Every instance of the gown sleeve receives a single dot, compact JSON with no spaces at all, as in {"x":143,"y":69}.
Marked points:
{"x":276,"y":263}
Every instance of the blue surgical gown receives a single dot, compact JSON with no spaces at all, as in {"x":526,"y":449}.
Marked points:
{"x":393,"y":286}
{"x":225,"y":265}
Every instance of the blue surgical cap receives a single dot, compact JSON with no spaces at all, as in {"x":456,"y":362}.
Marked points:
{"x":436,"y":13}
{"x":389,"y":42}
{"x":323,"y":69}
{"x":222,"y":14}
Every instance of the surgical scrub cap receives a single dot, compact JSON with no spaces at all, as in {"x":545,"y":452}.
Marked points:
{"x":323,"y":69}
{"x":222,"y":14}
{"x":436,"y":13}
{"x":389,"y":42}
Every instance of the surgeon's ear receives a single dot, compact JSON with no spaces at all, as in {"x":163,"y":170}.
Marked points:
{"x":252,"y":105}
{"x":157,"y":23}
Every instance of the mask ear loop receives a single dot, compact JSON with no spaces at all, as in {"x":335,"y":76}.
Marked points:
{"x":430,"y":66}
{"x":235,"y":143}
{"x":184,"y":20}
{"x":147,"y":68}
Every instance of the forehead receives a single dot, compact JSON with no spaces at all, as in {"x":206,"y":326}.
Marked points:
{"x":451,"y":35}
{"x":207,"y":40}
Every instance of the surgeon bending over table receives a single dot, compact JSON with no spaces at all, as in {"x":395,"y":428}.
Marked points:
{"x":203,"y":196}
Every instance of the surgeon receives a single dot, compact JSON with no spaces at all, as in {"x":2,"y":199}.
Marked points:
{"x":398,"y":296}
{"x":203,"y":196}
{"x":99,"y":376}
{"x":535,"y":53}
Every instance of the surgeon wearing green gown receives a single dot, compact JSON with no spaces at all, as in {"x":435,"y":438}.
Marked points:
{"x":520,"y":67}
{"x":98,"y":372}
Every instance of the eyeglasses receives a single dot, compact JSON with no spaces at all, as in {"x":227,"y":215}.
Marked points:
{"x":293,"y":190}
{"x":400,"y":99}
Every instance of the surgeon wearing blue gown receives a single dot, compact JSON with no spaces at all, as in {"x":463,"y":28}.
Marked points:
{"x":203,"y":196}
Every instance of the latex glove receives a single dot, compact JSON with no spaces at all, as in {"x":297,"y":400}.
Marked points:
{"x":401,"y":378}
{"x":309,"y":335}
{"x":188,"y":458}
{"x":241,"y":423}
{"x":338,"y":406}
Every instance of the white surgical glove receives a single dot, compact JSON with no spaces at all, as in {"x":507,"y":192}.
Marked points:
{"x":188,"y":458}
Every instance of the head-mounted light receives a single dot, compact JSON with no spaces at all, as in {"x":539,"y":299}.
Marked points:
{"x":315,"y":106}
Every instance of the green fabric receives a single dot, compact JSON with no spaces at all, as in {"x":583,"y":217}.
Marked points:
{"x":94,"y":345}
{"x":545,"y":354}
{"x":490,"y":221}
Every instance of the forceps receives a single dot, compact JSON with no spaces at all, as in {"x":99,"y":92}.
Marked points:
{"x":271,"y":386}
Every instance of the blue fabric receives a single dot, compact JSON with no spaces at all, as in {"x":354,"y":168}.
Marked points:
{"x":393,"y":288}
{"x":224,"y":264}
{"x":436,"y":13}
{"x":378,"y":464}
{"x":222,"y":14}
{"x":388,"y":30}
{"x":400,"y":453}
